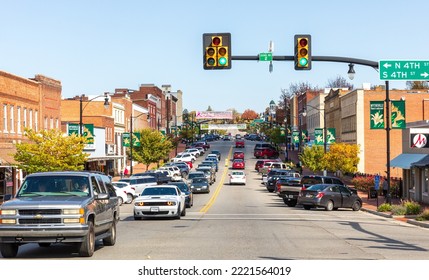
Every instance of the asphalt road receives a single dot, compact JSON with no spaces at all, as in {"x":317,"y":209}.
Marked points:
{"x":249,"y":223}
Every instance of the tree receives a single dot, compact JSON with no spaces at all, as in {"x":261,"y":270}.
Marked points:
{"x":313,"y":158}
{"x":339,"y":82}
{"x":153,"y":147}
{"x":342,"y":157}
{"x":249,"y":115}
{"x":51,"y":150}
{"x":209,"y":109}
{"x":417,"y":85}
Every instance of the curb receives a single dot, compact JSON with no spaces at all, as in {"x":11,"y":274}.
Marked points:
{"x":409,"y":221}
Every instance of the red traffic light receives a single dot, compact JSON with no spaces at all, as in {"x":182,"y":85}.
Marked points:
{"x":303,"y":42}
{"x":216,"y":41}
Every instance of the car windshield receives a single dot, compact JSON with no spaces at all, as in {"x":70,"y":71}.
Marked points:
{"x":199,"y":180}
{"x":55,"y":185}
{"x":159,"y":191}
{"x":311,"y":180}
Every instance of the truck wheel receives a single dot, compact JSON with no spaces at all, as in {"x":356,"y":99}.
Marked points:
{"x":111,"y":240}
{"x":9,"y":250}
{"x":87,"y":247}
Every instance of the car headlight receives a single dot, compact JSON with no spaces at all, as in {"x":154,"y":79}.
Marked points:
{"x":139,"y":203}
{"x":7,"y":221}
{"x":78,"y":211}
{"x":5,"y":212}
{"x":171,"y":203}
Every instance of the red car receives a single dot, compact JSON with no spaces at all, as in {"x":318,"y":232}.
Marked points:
{"x":239,"y":143}
{"x":238,"y":155}
{"x":238,"y":164}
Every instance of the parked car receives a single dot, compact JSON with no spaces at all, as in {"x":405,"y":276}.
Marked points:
{"x":309,"y":180}
{"x":208,"y":173}
{"x":175,"y":173}
{"x":140,"y":182}
{"x":121,"y":194}
{"x":330,"y":197}
{"x":160,"y":201}
{"x":194,"y":174}
{"x":266,"y":152}
{"x":275,"y":174}
{"x":162,"y":177}
{"x":238,"y":164}
{"x":200,"y":185}
{"x":213,"y":163}
{"x":288,"y":189}
{"x":184,"y":188}
{"x":218,"y":153}
{"x":183,"y":166}
{"x":130,"y":190}
{"x":237,"y":177}
{"x":184,"y":157}
{"x":260,"y":163}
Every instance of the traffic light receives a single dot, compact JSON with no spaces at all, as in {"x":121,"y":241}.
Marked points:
{"x":302,"y":52}
{"x":217,"y":51}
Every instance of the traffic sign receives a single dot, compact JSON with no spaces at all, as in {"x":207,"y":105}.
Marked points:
{"x":266,"y":56}
{"x":410,"y":70}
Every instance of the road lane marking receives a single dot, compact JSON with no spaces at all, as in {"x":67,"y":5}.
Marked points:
{"x":219,"y":186}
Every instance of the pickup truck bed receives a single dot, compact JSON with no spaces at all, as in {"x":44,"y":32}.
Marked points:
{"x":289,"y":189}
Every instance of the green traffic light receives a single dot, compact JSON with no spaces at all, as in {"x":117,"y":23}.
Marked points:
{"x":303,"y":61}
{"x":222,"y":61}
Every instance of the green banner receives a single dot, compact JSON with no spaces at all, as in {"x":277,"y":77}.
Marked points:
{"x":88,"y":131}
{"x":330,"y":136}
{"x":73,"y":129}
{"x":126,"y":139}
{"x":304,"y":135}
{"x":377,"y":114}
{"x":295,"y":137}
{"x":136,"y":139}
{"x":318,"y":136}
{"x":398,"y":114}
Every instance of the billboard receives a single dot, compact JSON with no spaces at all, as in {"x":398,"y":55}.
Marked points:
{"x":214,"y":115}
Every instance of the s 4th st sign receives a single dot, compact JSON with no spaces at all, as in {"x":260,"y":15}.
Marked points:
{"x":409,"y":70}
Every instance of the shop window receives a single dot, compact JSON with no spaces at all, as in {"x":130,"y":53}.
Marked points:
{"x":426,"y":181}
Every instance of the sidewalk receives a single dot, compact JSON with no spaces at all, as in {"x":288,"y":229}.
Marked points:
{"x":370,"y":206}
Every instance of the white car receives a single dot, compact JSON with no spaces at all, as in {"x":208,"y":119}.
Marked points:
{"x":186,"y":157}
{"x":121,"y":194}
{"x":193,"y":151}
{"x":237,"y":177}
{"x":130,"y":190}
{"x":160,"y":201}
{"x":140,"y":182}
{"x":176,"y":174}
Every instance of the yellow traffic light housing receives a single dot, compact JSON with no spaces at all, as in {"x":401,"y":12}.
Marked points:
{"x":302,"y":52}
{"x":217,"y":51}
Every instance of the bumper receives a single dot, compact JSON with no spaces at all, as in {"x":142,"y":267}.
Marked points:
{"x":52,"y":234}
{"x":155,"y":211}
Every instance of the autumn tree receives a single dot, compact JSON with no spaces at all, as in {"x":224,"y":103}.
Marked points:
{"x":313,"y":158}
{"x":249,"y":115}
{"x":417,"y":85}
{"x":50,"y":150}
{"x":342,"y":157}
{"x":153,"y":148}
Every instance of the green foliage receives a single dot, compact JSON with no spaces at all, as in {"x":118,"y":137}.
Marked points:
{"x":412,"y":208}
{"x":50,"y":150}
{"x":398,"y":210}
{"x":313,"y":158}
{"x":385,"y":207}
{"x":342,"y":157}
{"x":275,"y":136}
{"x":153,"y":147}
{"x":423,"y":216}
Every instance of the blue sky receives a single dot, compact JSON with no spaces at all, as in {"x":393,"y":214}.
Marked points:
{"x":97,"y":46}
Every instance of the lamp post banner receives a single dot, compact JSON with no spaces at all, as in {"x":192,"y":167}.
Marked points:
{"x":377,"y":114}
{"x":295,"y":137}
{"x":318,"y":136}
{"x":331,"y":136}
{"x":398,"y":114}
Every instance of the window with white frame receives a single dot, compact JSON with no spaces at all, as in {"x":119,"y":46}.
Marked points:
{"x":5,"y":118}
{"x":36,"y":120}
{"x":30,"y":121}
{"x":45,"y":123}
{"x":51,"y":123}
{"x":24,"y":123}
{"x":18,"y":119}
{"x":12,"y":119}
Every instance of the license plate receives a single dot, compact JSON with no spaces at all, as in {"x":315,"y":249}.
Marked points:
{"x":154,"y":209}
{"x":290,"y":196}
{"x":308,"y":195}
{"x":198,"y":189}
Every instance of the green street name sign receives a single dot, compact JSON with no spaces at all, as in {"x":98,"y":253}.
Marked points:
{"x":266,"y":56}
{"x":410,"y":70}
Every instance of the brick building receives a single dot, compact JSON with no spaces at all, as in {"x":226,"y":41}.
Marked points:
{"x":25,"y":103}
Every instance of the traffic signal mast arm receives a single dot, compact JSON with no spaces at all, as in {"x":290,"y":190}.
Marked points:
{"x":365,"y":62}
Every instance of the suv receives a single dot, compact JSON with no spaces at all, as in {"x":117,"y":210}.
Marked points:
{"x":140,"y":182}
{"x":60,"y":207}
{"x":265,"y":150}
{"x":309,"y":180}
{"x":239,"y":143}
{"x":161,"y":176}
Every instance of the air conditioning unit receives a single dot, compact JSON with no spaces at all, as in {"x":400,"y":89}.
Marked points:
{"x":110,"y":149}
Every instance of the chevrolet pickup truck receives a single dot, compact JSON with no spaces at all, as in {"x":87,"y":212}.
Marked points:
{"x":288,"y":189}
{"x":60,"y":207}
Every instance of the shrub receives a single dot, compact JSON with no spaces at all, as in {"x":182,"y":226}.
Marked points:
{"x":399,"y":210}
{"x":363,"y":183}
{"x":385,"y":207}
{"x":412,"y":208}
{"x":423,"y":216}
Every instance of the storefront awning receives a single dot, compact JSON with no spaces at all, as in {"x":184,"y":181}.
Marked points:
{"x":404,"y":161}
{"x":421,"y":163}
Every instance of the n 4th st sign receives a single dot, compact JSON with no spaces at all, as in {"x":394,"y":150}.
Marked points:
{"x":410,"y":70}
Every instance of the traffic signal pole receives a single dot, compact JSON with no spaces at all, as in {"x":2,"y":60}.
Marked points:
{"x":370,"y":63}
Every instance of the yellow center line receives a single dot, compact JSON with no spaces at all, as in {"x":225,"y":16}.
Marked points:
{"x":219,"y":186}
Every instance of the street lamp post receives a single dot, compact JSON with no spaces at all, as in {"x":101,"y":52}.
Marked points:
{"x":131,"y":139}
{"x":81,"y":108}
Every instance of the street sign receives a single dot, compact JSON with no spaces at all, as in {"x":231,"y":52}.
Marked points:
{"x":409,"y":70}
{"x":266,"y":56}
